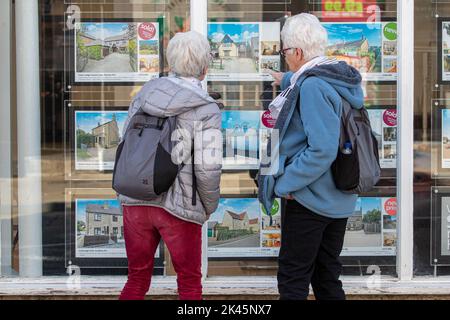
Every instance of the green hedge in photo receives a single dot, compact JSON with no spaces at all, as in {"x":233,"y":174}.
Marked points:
{"x":95,"y":53}
{"x":132,"y":51}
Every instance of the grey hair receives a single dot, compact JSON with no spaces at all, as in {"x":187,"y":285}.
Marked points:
{"x":188,"y":54}
{"x":305,"y":32}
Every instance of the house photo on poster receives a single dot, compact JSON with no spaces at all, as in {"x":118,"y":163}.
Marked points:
{"x":445,"y":227}
{"x":444,"y":63}
{"x":116,"y":52}
{"x":440,"y":226}
{"x":371,"y":230}
{"x":369,"y":47}
{"x":240,"y":227}
{"x":243,"y":51}
{"x":97,"y":136}
{"x":384,"y":127}
{"x":445,"y":139}
{"x":99,"y":229}
{"x":240,"y":131}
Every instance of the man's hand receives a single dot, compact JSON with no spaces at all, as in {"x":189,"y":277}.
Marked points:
{"x":289,"y":197}
{"x":277,"y":76}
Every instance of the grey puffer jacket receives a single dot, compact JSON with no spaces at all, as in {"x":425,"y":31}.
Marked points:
{"x":194,"y":109}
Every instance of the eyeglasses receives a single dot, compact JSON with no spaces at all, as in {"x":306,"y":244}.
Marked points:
{"x":282,"y":52}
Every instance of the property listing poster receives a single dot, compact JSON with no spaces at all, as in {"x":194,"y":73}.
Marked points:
{"x":97,"y":136}
{"x":371,"y":230}
{"x":243,"y":51}
{"x":116,"y":52}
{"x":445,"y":226}
{"x":99,"y":229}
{"x":369,"y":47}
{"x":445,"y":144}
{"x":445,"y":54}
{"x":384,"y":127}
{"x":240,"y":227}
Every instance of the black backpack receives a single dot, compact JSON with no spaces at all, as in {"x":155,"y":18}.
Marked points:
{"x":357,"y":168}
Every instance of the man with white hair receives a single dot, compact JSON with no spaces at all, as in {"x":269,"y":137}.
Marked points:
{"x":308,"y":111}
{"x":175,"y":216}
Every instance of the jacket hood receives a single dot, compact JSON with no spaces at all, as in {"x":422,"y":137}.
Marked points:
{"x":171,"y":96}
{"x":345,"y":79}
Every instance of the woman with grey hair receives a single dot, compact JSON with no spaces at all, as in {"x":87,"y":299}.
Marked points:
{"x":316,"y":212}
{"x":175,"y":217}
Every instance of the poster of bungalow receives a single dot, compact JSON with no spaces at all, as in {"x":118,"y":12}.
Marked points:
{"x":243,"y":51}
{"x":445,"y":139}
{"x":373,"y":219}
{"x":234,"y":230}
{"x":97,"y":136}
{"x":369,"y":47}
{"x":99,"y":229}
{"x":384,"y":128}
{"x":241,"y":142}
{"x":116,"y":52}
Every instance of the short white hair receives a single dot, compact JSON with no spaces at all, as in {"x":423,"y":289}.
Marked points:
{"x":188,"y":54}
{"x":304,"y":31}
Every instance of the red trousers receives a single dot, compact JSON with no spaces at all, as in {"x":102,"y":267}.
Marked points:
{"x":144,"y":226}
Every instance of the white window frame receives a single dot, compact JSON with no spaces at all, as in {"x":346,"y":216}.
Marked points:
{"x":405,"y":159}
{"x":5,"y":141}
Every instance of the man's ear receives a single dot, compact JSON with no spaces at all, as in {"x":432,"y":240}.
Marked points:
{"x":299,"y":52}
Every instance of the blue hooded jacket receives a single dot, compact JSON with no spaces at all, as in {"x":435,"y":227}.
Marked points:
{"x":309,"y":139}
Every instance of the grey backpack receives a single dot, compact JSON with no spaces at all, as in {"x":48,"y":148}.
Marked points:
{"x":356,"y":169}
{"x":144,"y":169}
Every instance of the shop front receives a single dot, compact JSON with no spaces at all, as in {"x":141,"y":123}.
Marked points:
{"x":71,"y":68}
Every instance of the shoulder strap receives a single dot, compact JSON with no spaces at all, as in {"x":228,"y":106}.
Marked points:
{"x":194,"y":178}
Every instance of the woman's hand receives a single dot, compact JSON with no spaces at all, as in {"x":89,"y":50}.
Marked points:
{"x":277,"y":76}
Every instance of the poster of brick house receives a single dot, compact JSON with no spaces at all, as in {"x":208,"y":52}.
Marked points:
{"x":99,"y":228}
{"x":97,"y":136}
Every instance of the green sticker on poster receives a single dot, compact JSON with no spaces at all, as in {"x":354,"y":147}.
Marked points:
{"x":273,"y":210}
{"x":390,"y":31}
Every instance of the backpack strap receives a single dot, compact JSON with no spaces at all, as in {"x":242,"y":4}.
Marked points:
{"x":194,"y":178}
{"x":346,"y":112}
